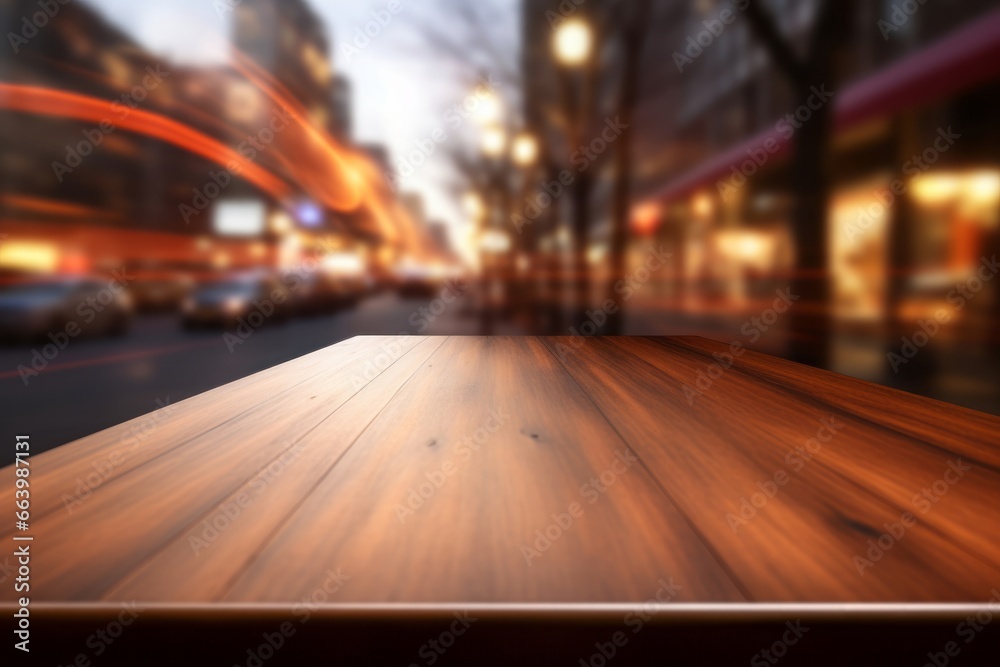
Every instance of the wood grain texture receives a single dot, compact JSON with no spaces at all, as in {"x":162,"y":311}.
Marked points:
{"x":97,"y":460}
{"x":466,"y":542}
{"x":500,"y":469}
{"x":125,"y":520}
{"x":953,"y":428}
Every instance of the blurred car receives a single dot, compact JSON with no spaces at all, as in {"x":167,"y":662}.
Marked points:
{"x":55,"y":306}
{"x":226,"y":301}
{"x":317,"y":293}
{"x":418,"y":280}
{"x":414,"y":279}
{"x":161,"y":294}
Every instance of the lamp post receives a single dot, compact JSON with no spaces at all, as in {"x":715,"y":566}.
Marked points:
{"x":524,"y":150}
{"x":573,"y":47}
{"x":572,"y":42}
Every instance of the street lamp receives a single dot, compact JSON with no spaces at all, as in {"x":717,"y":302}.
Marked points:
{"x":473,"y":205}
{"x":572,"y":42}
{"x":489,"y":109}
{"x":494,"y":241}
{"x":524,"y":150}
{"x":494,"y":141}
{"x":572,"y":45}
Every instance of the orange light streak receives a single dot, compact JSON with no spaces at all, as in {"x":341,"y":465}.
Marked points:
{"x":45,"y":101}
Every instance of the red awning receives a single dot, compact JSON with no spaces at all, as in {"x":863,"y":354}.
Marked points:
{"x":961,"y":60}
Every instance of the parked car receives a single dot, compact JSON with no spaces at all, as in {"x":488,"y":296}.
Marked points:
{"x":317,"y":292}
{"x":161,"y":294}
{"x":74,"y":306}
{"x":418,"y":280}
{"x":414,"y":279}
{"x":226,"y":301}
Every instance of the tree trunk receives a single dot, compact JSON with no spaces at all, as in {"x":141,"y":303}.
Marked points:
{"x":633,"y":41}
{"x":811,"y":318}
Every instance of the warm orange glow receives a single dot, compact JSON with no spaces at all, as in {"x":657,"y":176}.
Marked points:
{"x":333,"y":175}
{"x":646,"y":218}
{"x":48,"y":102}
{"x":29,"y":256}
{"x":320,"y":165}
{"x":54,"y":207}
{"x":976,"y":193}
{"x":701,"y":204}
{"x":340,"y":178}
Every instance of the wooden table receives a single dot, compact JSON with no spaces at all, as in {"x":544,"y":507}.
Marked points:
{"x":469,"y":470}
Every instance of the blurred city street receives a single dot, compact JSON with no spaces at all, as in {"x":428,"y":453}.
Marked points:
{"x":191,"y":192}
{"x":94,"y":384}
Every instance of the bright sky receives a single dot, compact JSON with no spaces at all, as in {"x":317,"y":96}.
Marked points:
{"x":399,"y":96}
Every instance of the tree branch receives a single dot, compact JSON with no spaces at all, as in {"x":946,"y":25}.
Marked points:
{"x":779,"y":48}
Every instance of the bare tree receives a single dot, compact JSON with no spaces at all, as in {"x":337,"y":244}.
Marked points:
{"x":635,"y":27}
{"x":815,"y":65}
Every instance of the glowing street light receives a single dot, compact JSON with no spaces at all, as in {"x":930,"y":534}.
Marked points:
{"x":494,"y":141}
{"x":525,"y":149}
{"x":701,"y":204}
{"x":494,"y":241}
{"x":572,"y":42}
{"x":473,"y":205}
{"x":489,"y":109}
{"x":281,"y":222}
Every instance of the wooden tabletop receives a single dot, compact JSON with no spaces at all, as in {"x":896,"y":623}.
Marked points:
{"x":506,"y":469}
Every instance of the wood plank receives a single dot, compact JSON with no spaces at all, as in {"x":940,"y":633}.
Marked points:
{"x":465,"y":542}
{"x":66,"y":474}
{"x":894,"y":467}
{"x":968,"y":433}
{"x":124,"y":522}
{"x":800,"y":545}
{"x":199,"y":564}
